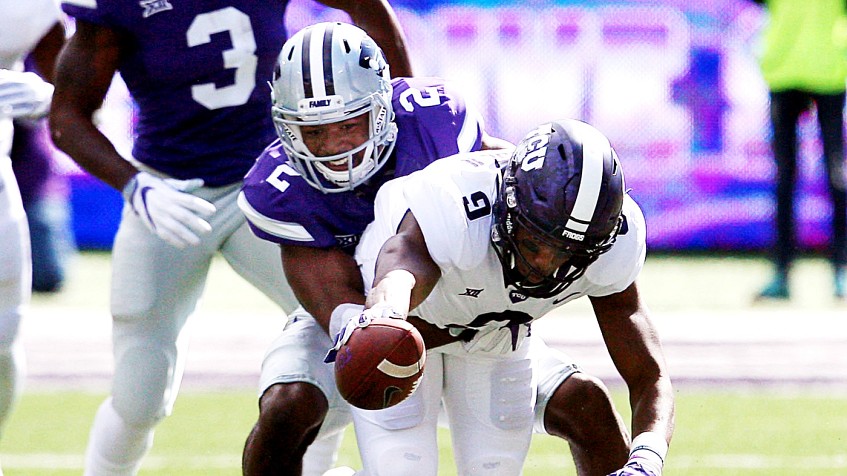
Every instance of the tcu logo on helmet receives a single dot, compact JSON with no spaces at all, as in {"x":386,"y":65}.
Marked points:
{"x":535,"y":148}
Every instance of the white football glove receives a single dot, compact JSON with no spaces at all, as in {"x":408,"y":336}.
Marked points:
{"x":362,"y":319}
{"x":168,"y":210}
{"x":24,"y":95}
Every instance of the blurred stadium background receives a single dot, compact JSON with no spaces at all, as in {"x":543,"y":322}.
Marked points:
{"x":676,"y":86}
{"x":673,"y":83}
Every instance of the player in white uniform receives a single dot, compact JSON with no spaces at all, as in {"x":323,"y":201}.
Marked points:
{"x":467,"y":245}
{"x":25,"y":27}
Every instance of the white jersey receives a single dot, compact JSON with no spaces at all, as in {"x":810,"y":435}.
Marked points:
{"x":22,"y":25}
{"x":452,"y":200}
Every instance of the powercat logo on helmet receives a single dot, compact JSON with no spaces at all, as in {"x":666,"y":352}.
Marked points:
{"x":371,"y":57}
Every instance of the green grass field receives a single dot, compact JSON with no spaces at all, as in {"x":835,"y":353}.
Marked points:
{"x":727,"y":430}
{"x":718,"y":433}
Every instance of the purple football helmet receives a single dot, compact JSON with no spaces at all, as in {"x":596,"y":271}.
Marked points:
{"x":563,"y":185}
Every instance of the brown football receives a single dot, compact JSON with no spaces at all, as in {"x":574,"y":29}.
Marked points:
{"x":381,"y":364}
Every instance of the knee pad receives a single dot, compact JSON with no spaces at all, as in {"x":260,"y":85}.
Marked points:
{"x":144,"y":386}
{"x":492,"y":465}
{"x":14,"y":292}
{"x":405,"y":460}
{"x":512,"y":396}
{"x":423,"y":404}
{"x":406,"y":415}
{"x":411,"y":451}
{"x":10,"y":320}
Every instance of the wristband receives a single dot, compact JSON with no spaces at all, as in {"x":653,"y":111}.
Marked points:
{"x":401,"y":276}
{"x":386,"y":310}
{"x":651,"y":446}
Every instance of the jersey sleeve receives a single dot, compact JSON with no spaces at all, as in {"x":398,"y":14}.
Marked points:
{"x":276,"y":206}
{"x":93,"y":11}
{"x":22,"y":26}
{"x":451,"y":200}
{"x":434,"y":122}
{"x":616,"y":269}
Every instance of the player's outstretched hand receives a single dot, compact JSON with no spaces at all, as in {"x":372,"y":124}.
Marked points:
{"x":168,"y":210}
{"x":24,"y":95}
{"x":344,"y":335}
{"x":382,"y":309}
{"x":638,"y":467}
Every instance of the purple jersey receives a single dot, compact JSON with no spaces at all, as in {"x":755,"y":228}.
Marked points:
{"x":283,"y":208}
{"x":198,"y":72}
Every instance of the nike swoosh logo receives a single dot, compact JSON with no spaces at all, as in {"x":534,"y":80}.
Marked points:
{"x":559,"y":301}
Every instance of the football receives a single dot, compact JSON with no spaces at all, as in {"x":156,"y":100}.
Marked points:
{"x":381,"y":364}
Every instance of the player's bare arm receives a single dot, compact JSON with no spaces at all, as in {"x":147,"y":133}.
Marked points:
{"x":634,"y":346}
{"x":378,"y":19}
{"x":492,"y":143}
{"x":84,"y":72}
{"x":45,"y":52}
{"x":407,"y":251}
{"x":322,"y":279}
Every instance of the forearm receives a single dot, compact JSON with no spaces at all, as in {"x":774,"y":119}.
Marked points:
{"x":636,"y":351}
{"x":84,"y":73}
{"x":406,"y":251}
{"x":322,"y":280}
{"x":45,"y":52}
{"x":378,"y":19}
{"x":78,"y":137}
{"x":653,"y":409}
{"x":495,"y":143}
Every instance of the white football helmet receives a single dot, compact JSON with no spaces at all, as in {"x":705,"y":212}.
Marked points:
{"x":327,"y":73}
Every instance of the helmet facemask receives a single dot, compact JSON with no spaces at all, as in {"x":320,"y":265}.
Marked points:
{"x":346,"y":77}
{"x":548,"y":285}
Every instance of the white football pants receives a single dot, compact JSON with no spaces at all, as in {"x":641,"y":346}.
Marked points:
{"x":490,"y":404}
{"x":15,"y":286}
{"x":155,"y":288}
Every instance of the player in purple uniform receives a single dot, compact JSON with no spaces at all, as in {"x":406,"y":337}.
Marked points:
{"x":197,"y":73}
{"x":345,"y":129}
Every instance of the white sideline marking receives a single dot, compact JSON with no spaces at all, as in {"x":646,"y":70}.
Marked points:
{"x":717,"y":461}
{"x":725,"y":461}
{"x":74,"y":462}
{"x":758,"y":461}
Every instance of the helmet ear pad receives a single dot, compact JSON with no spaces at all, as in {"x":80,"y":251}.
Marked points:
{"x":327,"y":73}
{"x":564,"y":184}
